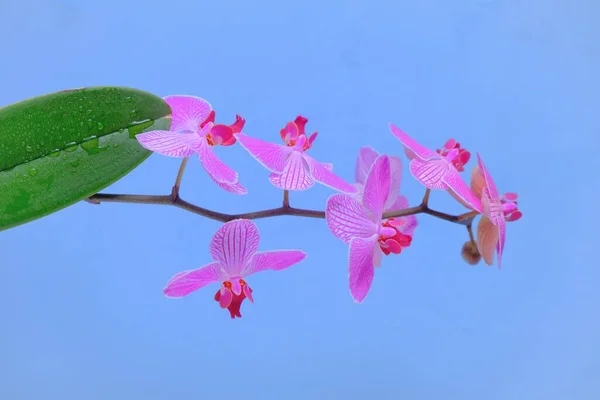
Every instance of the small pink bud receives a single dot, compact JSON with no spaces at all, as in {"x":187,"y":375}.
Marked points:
{"x":470,"y":253}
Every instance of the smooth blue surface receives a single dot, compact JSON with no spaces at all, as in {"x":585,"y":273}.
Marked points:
{"x":83,"y":316}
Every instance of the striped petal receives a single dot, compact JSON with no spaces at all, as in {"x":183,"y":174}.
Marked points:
{"x":188,"y":112}
{"x":295,"y":174}
{"x":487,"y":239}
{"x":171,"y":144}
{"x":234,"y":244}
{"x":415,"y":148}
{"x":187,"y":282}
{"x":347,"y":218}
{"x":326,"y":177}
{"x":216,"y":168}
{"x":361,"y":269}
{"x":272,"y":156}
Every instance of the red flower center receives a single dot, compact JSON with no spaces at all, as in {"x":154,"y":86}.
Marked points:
{"x":395,"y":243}
{"x":231,"y":301}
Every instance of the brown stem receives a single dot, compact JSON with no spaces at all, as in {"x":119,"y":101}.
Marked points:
{"x":286,"y":199}
{"x":425,"y":201}
{"x":174,"y":200}
{"x":177,"y":185}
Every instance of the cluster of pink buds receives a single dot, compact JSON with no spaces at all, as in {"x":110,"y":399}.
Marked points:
{"x":356,"y":215}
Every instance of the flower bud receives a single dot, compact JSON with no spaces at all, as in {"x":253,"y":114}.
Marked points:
{"x":470,"y":253}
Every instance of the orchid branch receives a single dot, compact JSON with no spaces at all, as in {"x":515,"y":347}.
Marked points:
{"x":177,"y":201}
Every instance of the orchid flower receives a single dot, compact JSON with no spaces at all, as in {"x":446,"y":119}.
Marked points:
{"x":291,"y":168}
{"x":436,"y":171}
{"x":394,"y":201}
{"x":193,"y":131}
{"x":234,"y":251}
{"x":360,"y":225}
{"x":497,"y":210}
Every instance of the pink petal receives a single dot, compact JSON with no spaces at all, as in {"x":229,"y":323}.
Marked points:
{"x":222,"y":135}
{"x":395,"y":180}
{"x":514,"y":216}
{"x":410,"y":221}
{"x":327,"y":166}
{"x":272,"y":156}
{"x":170,"y":144}
{"x":418,"y":150}
{"x":347,"y":218}
{"x":216,"y":168}
{"x":226,"y":297}
{"x":236,"y":286}
{"x":488,"y":179}
{"x":325,"y":177}
{"x":487,"y":239}
{"x":501,"y":240}
{"x":235,"y":188}
{"x":510,"y":196}
{"x":274,"y":260}
{"x":186,"y":282}
{"x":295,"y":175}
{"x":477,"y":181}
{"x":430,"y":173}
{"x":364,"y":161}
{"x":361,"y":268}
{"x":377,"y":187}
{"x":234,"y":244}
{"x":460,"y":189}
{"x":188,"y":112}
{"x":248,"y":293}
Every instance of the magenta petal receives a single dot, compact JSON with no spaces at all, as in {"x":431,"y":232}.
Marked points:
{"x":488,"y":179}
{"x":295,"y":175}
{"x":510,"y":196}
{"x":216,"y":168}
{"x":235,"y":188}
{"x":361,"y":268}
{"x":325,"y":177}
{"x":188,"y":112}
{"x":272,"y":156}
{"x":459,"y":187}
{"x":186,"y":282}
{"x":501,"y":240}
{"x":395,"y":180}
{"x":236,"y":286}
{"x":347,"y":218}
{"x":274,"y":260}
{"x":171,"y":144}
{"x":226,"y":297}
{"x":364,"y":161}
{"x":234,"y":244}
{"x":377,"y":187}
{"x":248,"y":293}
{"x":410,"y":222}
{"x":415,"y":148}
{"x":327,"y":166}
{"x":430,"y":173}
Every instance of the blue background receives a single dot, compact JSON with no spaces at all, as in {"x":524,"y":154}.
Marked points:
{"x":83,"y":316}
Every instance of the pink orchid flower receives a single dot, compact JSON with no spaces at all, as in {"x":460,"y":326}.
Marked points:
{"x":394,"y":201}
{"x":462,"y":157}
{"x":291,"y":168}
{"x":234,"y":251}
{"x":360,"y":225}
{"x":193,"y":131}
{"x":497,"y":210}
{"x":436,"y":171}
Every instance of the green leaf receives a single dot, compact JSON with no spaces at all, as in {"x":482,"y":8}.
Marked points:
{"x":58,"y":149}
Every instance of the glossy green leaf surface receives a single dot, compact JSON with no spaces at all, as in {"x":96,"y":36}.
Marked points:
{"x":58,"y":149}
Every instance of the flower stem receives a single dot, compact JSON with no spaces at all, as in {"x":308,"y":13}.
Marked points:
{"x":170,"y":200}
{"x":286,"y":199}
{"x":177,"y":185}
